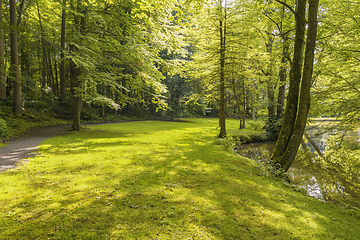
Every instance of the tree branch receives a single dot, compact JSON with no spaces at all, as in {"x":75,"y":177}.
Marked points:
{"x":286,"y":5}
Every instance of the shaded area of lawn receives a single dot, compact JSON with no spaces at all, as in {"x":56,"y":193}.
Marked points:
{"x":157,"y":180}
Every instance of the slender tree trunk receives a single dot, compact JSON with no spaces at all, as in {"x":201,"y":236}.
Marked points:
{"x":295,"y":79}
{"x":24,"y":57}
{"x":78,"y":83}
{"x":317,"y":149}
{"x":288,"y":156}
{"x":253,"y":113}
{"x":2,"y":55}
{"x":77,"y":100}
{"x":244,"y":102}
{"x":44,"y":61}
{"x":238,"y":104}
{"x":56,"y":80}
{"x":63,"y":83}
{"x":50,"y":71}
{"x":270,"y":85}
{"x":222,"y":30}
{"x":282,"y":76}
{"x":14,"y":59}
{"x":303,"y":144}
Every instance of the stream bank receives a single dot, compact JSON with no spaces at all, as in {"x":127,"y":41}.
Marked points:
{"x":332,"y":177}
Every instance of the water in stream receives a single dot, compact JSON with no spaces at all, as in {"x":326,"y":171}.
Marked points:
{"x":335,"y":177}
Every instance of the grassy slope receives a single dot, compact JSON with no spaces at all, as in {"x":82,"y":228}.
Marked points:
{"x":157,"y":180}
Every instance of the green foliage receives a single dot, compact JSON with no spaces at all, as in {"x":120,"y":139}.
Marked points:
{"x":336,"y":90}
{"x":13,"y":126}
{"x":267,"y":169}
{"x":273,"y":127}
{"x":4,"y":130}
{"x":243,"y":53}
{"x":249,"y":137}
{"x":257,"y":125}
{"x":229,"y":143}
{"x":195,"y":107}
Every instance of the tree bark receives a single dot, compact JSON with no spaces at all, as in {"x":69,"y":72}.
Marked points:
{"x":244,"y":103}
{"x":14,"y":59}
{"x":44,"y":59}
{"x":238,"y":105}
{"x":295,"y":79}
{"x":282,"y":76}
{"x":56,"y":80}
{"x":2,"y":55}
{"x":303,"y":144}
{"x":77,"y":100}
{"x":50,"y":74}
{"x":270,"y":85}
{"x":63,"y":83}
{"x":317,"y":149}
{"x":78,"y":83}
{"x":288,"y":156}
{"x":222,"y":30}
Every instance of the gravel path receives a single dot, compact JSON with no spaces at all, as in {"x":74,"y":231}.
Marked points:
{"x":26,"y":145}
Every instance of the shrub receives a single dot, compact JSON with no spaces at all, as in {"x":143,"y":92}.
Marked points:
{"x":4,"y":130}
{"x":258,"y":137}
{"x":242,"y":138}
{"x":229,"y":143}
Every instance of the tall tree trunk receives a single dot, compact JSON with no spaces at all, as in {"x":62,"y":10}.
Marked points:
{"x":56,"y":80}
{"x":288,"y":155}
{"x":50,"y":71}
{"x":238,"y":103}
{"x":79,"y":71}
{"x":253,"y":113}
{"x":222,"y":30}
{"x":295,"y":79}
{"x":63,"y":83}
{"x":282,"y":76}
{"x":244,"y":103}
{"x":44,"y":59}
{"x":270,"y":84}
{"x":14,"y":59}
{"x":24,"y":58}
{"x":77,"y":100}
{"x":2,"y":55}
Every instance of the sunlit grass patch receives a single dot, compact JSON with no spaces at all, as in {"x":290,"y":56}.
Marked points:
{"x":156,"y":180}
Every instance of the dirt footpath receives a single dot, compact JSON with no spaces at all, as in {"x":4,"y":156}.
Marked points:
{"x":25,"y":146}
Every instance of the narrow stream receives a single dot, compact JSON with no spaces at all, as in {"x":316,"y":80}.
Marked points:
{"x":323,"y":178}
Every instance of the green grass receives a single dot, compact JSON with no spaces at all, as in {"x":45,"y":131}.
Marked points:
{"x":157,"y":180}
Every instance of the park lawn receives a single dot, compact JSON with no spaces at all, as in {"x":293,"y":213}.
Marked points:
{"x":157,"y":180}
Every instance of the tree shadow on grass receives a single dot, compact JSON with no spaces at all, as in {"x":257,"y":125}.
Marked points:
{"x":189,"y":188}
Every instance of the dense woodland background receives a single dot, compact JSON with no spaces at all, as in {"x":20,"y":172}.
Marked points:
{"x":108,"y":60}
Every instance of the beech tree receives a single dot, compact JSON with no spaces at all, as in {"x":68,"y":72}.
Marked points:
{"x":2,"y":56}
{"x":298,"y":105}
{"x":14,"y":59}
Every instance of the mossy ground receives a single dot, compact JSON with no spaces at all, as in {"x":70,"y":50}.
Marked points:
{"x":157,"y":180}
